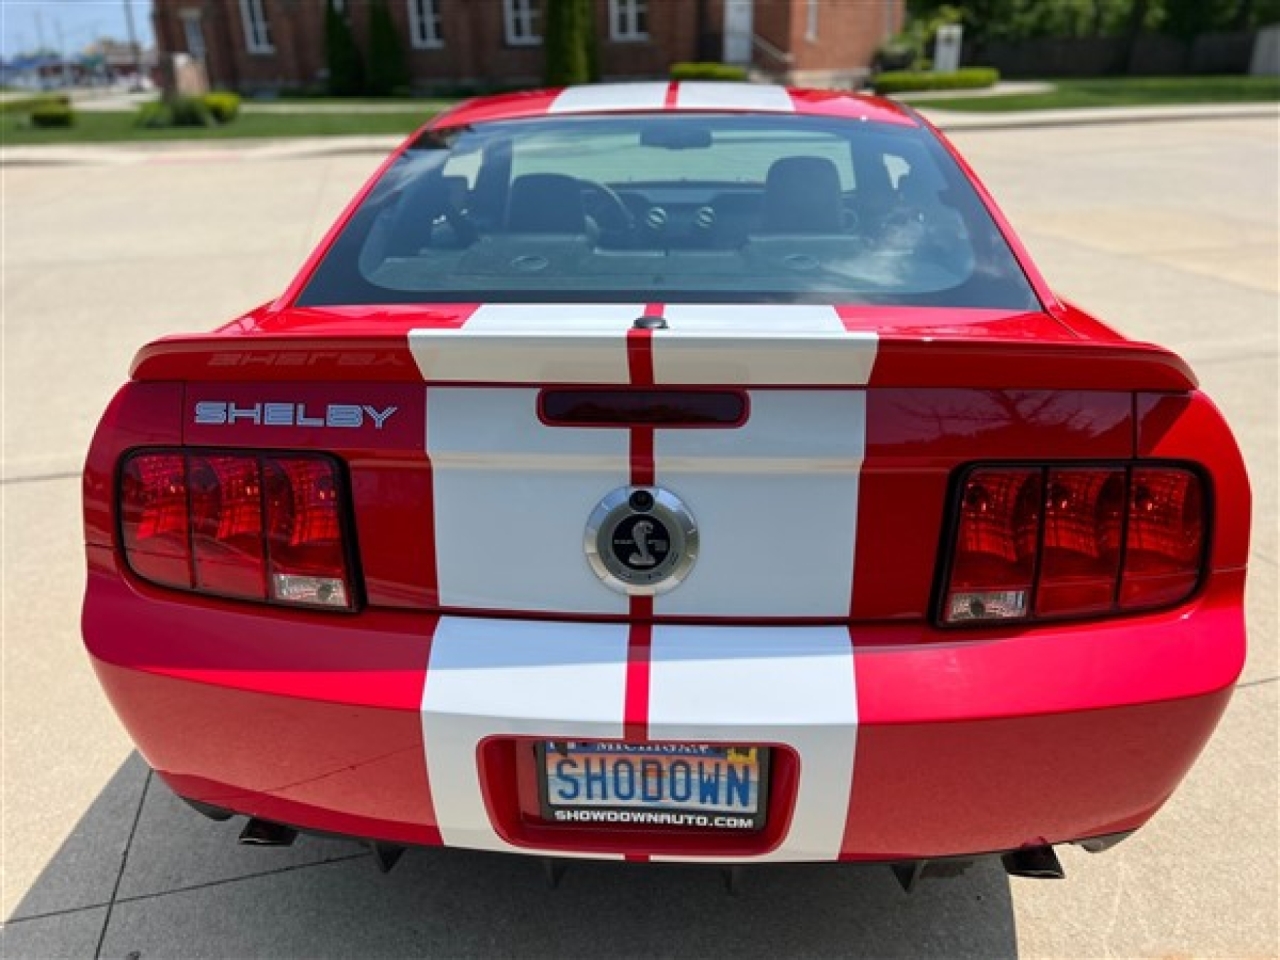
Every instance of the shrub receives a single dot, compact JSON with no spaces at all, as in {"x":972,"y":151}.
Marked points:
{"x":707,"y":71}
{"x":387,"y":66}
{"x":153,"y":114}
{"x":189,"y":112}
{"x":176,"y":112}
{"x":28,"y":104}
{"x":967,"y":78}
{"x":899,"y":53}
{"x":52,"y":115}
{"x":223,"y":107}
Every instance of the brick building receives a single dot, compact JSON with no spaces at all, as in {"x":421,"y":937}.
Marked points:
{"x":256,"y":45}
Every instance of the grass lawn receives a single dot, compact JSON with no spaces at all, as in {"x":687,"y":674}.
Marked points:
{"x":92,"y":127}
{"x":1122,"y":92}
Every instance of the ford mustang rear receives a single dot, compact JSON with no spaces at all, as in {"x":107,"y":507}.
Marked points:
{"x":670,"y":472}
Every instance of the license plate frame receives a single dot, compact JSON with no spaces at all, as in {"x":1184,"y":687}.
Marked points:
{"x":668,"y":812}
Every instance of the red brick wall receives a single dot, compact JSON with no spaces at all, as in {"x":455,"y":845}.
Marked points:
{"x":848,"y":34}
{"x":475,"y":51}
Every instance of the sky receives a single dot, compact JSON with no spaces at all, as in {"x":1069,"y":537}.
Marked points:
{"x":24,"y":22}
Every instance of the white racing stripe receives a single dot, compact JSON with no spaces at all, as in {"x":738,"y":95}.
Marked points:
{"x":492,"y":678}
{"x":723,"y":95}
{"x":794,"y":344}
{"x":760,"y":685}
{"x":530,"y":343}
{"x":648,"y":95}
{"x":752,"y":685}
{"x":776,"y":503}
{"x":726,"y":344}
{"x":512,"y":498}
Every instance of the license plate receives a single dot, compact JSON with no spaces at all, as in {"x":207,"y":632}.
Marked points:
{"x":678,"y":785}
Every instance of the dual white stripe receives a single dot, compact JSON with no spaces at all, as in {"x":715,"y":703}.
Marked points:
{"x":723,"y":344}
{"x":776,"y":503}
{"x":775,"y":500}
{"x":762,"y":685}
{"x":691,"y":95}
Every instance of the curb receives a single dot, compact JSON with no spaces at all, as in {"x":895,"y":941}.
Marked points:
{"x":953,"y":121}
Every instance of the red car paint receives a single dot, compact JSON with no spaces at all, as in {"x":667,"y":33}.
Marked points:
{"x":968,"y":741}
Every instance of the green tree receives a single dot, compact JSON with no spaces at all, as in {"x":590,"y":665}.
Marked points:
{"x":346,"y":66}
{"x":388,"y":70}
{"x":569,"y":42}
{"x":1188,"y":19}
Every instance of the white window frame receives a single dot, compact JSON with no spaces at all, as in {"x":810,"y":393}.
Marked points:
{"x":521,"y":20}
{"x":624,"y":20}
{"x":811,"y":22}
{"x":257,"y":29}
{"x":193,"y":30}
{"x":424,"y":25}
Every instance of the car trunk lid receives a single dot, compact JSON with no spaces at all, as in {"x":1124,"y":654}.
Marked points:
{"x":823,"y":501}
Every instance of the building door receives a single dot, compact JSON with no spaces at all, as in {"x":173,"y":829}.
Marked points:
{"x":738,"y":31}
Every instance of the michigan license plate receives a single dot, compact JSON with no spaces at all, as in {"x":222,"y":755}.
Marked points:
{"x":679,"y":785}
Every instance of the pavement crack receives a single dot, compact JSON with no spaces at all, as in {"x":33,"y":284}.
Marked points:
{"x":64,"y":912}
{"x":140,"y":897}
{"x":41,"y":477}
{"x":247,"y":876}
{"x":124,"y":861}
{"x":1256,"y":683}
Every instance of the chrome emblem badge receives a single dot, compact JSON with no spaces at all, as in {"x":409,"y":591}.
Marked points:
{"x":641,"y":540}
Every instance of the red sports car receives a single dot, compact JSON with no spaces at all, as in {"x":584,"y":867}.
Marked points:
{"x":670,"y":472}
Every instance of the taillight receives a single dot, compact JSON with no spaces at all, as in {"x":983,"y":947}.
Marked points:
{"x":235,"y":524}
{"x":993,"y":567}
{"x":1043,"y":542}
{"x":154,"y":517}
{"x":1166,"y":538}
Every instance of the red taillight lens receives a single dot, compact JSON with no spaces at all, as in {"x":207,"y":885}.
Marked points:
{"x":304,"y":532}
{"x":1083,"y":528}
{"x":154,"y":517}
{"x":1044,"y":542}
{"x":226,"y":525}
{"x":994,"y":561}
{"x":1166,"y":537}
{"x":238,"y":525}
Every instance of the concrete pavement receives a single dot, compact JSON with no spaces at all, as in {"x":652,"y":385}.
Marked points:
{"x":1167,"y":229}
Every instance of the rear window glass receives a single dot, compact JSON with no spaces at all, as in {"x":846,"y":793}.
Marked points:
{"x":692,"y":208}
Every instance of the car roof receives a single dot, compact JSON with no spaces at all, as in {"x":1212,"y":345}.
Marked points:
{"x":679,"y":97}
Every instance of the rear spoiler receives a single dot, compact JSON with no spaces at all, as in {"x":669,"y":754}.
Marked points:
{"x":803,"y":359}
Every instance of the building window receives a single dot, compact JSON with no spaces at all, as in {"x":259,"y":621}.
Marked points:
{"x":424,"y":24}
{"x":193,"y":33}
{"x":628,"y":20}
{"x":257,"y":32}
{"x":521,"y":18}
{"x":811,"y":22}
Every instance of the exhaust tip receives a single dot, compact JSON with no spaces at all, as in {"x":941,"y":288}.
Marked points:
{"x":264,"y":833}
{"x":1034,"y":863}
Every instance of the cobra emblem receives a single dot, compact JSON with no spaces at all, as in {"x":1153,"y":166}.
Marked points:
{"x":640,"y":533}
{"x":641,"y":540}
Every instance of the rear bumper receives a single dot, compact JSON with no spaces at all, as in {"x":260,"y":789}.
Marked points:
{"x":895,"y":742}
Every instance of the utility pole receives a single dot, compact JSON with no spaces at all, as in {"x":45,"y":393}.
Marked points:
{"x":133,"y":45}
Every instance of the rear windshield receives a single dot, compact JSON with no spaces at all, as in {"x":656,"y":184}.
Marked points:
{"x":693,"y":208}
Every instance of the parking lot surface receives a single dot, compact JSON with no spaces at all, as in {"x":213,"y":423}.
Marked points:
{"x":1168,"y":230}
